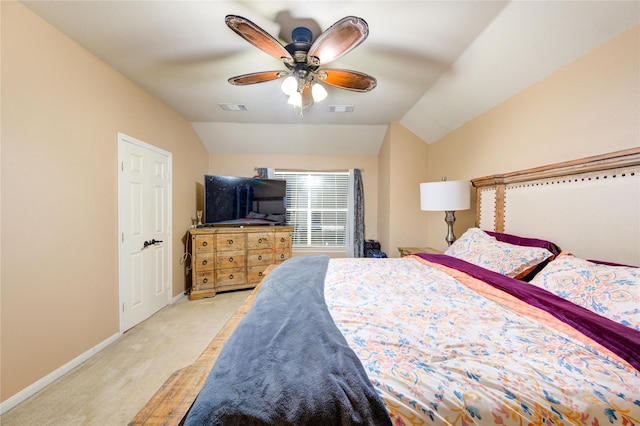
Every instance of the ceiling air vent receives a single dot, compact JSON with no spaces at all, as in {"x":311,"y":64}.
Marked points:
{"x":341,"y":108}
{"x":233,"y":107}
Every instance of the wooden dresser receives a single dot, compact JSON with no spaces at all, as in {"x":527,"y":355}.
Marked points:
{"x":234,"y":258}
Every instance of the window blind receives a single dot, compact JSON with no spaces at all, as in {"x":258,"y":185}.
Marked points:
{"x":317,"y":207}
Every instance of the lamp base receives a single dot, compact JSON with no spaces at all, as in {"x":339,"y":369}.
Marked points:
{"x":450,"y":217}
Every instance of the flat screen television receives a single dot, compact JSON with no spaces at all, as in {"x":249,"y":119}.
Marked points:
{"x":239,"y":201}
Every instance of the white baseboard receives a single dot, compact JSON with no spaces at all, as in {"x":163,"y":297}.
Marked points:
{"x":178,"y":298}
{"x":32,"y":389}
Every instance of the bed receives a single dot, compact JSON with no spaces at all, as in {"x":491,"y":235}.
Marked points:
{"x":505,"y":327}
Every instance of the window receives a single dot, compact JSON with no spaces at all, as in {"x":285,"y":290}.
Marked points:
{"x":317,"y":208}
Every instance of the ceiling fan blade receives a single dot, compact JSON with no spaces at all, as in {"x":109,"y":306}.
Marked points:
{"x":340,"y":38}
{"x":345,"y":79}
{"x":307,"y":96}
{"x":257,"y":77}
{"x":258,"y":37}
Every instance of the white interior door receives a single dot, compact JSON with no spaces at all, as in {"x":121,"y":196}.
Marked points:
{"x":144,"y":200}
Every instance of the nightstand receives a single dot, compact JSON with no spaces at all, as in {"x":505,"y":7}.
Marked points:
{"x":406,"y":251}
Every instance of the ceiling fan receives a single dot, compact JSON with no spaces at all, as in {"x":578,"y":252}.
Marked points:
{"x":303,"y":59}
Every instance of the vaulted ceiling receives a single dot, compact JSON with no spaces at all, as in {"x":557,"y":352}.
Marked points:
{"x":438,"y":64}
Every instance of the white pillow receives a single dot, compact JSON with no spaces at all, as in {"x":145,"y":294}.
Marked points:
{"x":610,"y":291}
{"x":477,"y":247}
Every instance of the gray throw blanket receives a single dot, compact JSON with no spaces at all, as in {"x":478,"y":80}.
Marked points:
{"x":287,"y":363}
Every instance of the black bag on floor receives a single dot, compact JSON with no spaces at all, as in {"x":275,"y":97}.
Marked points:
{"x":372,"y":249}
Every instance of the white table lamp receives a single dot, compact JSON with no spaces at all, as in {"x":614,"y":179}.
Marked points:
{"x":447,"y":196}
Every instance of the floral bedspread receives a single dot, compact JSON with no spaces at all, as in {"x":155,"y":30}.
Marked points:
{"x":441,"y":353}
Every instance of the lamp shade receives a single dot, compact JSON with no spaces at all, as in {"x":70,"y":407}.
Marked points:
{"x":295,"y":99}
{"x":289,"y":85}
{"x":448,"y":195}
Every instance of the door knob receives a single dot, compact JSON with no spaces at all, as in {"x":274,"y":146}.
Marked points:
{"x":150,"y":243}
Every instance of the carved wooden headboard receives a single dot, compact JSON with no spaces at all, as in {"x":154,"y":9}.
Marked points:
{"x":590,"y":207}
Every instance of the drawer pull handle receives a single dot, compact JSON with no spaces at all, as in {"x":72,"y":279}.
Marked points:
{"x":205,"y":280}
{"x":282,"y":240}
{"x":260,"y":257}
{"x":204,"y":244}
{"x":230,"y":276}
{"x":260,"y":274}
{"x":229,"y":242}
{"x":259,"y":240}
{"x":204,"y":262}
{"x":282,"y":256}
{"x":231,"y":259}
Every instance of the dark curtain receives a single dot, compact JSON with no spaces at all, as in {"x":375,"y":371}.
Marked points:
{"x":355,"y":220}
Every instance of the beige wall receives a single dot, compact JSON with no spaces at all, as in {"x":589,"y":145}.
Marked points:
{"x":244,"y":165}
{"x":403,"y":165}
{"x":61,"y":111}
{"x":590,"y":107}
{"x":384,"y":190}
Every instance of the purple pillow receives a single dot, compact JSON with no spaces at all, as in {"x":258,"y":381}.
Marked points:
{"x":602,"y":262}
{"x":527,"y":242}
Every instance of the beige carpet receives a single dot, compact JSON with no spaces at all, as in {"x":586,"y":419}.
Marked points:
{"x":113,"y":385}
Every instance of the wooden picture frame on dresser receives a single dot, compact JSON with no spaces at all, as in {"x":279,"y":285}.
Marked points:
{"x":234,"y":258}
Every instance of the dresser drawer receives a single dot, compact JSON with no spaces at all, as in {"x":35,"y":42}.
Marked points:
{"x":281,"y":256}
{"x":283,"y":240}
{"x":255,"y":274}
{"x":260,"y":240}
{"x":226,"y":242}
{"x":259,"y":257}
{"x":203,"y":262}
{"x":203,"y":244}
{"x":204,"y":280}
{"x":230,"y":277}
{"x":230,"y":259}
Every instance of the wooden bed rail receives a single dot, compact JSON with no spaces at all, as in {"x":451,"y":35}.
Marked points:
{"x":170,"y":404}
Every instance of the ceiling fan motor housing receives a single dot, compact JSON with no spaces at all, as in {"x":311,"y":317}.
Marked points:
{"x":302,"y":35}
{"x":300,"y":45}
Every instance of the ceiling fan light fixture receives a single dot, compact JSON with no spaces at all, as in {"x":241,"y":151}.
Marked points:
{"x":295,"y":99}
{"x":319,"y":93}
{"x":289,"y":85}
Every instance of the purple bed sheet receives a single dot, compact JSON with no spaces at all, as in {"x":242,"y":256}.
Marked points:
{"x":622,"y":340}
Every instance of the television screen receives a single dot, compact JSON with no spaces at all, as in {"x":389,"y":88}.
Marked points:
{"x":232,"y":200}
